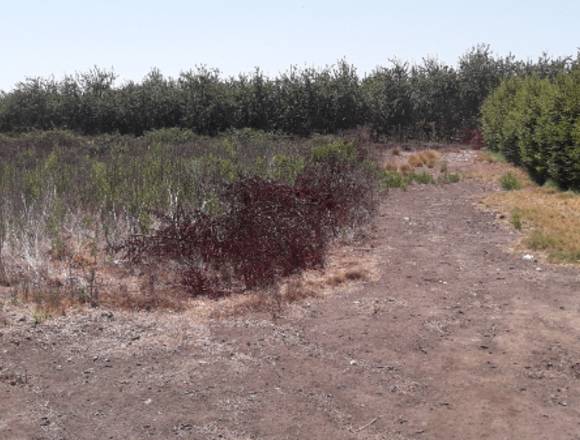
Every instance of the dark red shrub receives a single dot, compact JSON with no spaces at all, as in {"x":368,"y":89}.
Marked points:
{"x":341,"y":181}
{"x":473,"y":138}
{"x":267,"y":230}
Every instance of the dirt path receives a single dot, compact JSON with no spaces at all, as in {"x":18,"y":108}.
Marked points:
{"x":458,"y":339}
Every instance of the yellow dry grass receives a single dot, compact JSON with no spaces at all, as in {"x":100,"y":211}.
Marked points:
{"x":490,"y":169}
{"x":156,"y":288}
{"x":406,"y":163}
{"x":415,"y":161}
{"x":430,"y":158}
{"x":550,"y":220}
{"x":427,"y":158}
{"x":346,"y":266}
{"x":405,"y":169}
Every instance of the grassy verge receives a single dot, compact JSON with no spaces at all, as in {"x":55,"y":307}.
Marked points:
{"x":423,"y":167}
{"x":549,"y":219}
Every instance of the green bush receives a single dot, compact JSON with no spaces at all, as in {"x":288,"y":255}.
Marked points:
{"x":561,"y":131}
{"x":394,"y":179}
{"x":516,"y":219}
{"x":510,"y":182}
{"x":423,"y":178}
{"x":535,"y":122}
{"x":286,"y":168}
{"x":498,"y":127}
{"x":533,"y":103}
{"x":449,"y":178}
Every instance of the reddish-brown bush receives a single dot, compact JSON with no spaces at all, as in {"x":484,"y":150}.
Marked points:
{"x":267,"y":229}
{"x":473,"y":138}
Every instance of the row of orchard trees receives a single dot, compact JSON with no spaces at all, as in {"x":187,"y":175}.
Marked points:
{"x":535,"y":122}
{"x":425,"y":100}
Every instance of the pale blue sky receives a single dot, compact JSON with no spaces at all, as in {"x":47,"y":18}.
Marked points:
{"x":39,"y":38}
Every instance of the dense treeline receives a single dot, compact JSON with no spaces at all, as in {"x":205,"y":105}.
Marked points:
{"x":535,"y":122}
{"x":425,"y":100}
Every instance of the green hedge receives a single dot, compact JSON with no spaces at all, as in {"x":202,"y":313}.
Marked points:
{"x":428,"y":100}
{"x":535,"y":123}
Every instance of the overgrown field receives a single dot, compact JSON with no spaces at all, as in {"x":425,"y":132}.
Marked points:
{"x":174,"y":210}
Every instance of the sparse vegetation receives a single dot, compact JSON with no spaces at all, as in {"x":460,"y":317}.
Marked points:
{"x":449,"y":178}
{"x":394,"y":179}
{"x":547,"y":216}
{"x":510,"y":182}
{"x":548,"y":219}
{"x":404,"y":171}
{"x":422,"y":178}
{"x":492,"y":156}
{"x":516,"y":219}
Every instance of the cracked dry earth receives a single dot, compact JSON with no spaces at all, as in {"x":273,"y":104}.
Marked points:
{"x":457,"y":339}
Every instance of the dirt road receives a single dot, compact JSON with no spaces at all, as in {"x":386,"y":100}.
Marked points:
{"x":458,"y":339}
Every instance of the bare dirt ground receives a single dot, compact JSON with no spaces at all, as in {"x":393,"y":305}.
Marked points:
{"x":457,"y":338}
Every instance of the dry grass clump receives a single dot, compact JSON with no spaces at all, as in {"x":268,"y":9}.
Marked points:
{"x":415,"y":161}
{"x":343,"y":269}
{"x":405,"y":163}
{"x":345,"y":276}
{"x":490,"y":157}
{"x":430,"y":158}
{"x":427,"y":158}
{"x":271,"y":300}
{"x":146,"y":299}
{"x":405,"y":169}
{"x":550,"y":220}
{"x":490,"y":167}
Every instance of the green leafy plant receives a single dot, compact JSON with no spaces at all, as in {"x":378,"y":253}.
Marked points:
{"x":394,"y":179}
{"x":516,"y":220}
{"x":423,"y":178}
{"x":447,"y":177}
{"x":534,"y":122}
{"x":510,"y":182}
